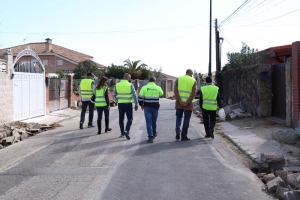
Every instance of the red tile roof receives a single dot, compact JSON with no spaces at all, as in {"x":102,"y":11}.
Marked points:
{"x":168,"y":76}
{"x":40,"y":48}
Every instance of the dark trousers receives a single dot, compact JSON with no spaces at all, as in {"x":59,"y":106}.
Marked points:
{"x":186,"y":121}
{"x":209,"y":120}
{"x":100,"y":110}
{"x":125,"y":108}
{"x":85,"y":104}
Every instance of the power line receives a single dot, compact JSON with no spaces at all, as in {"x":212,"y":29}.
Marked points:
{"x":232,"y":14}
{"x":106,"y":32}
{"x":244,"y":16}
{"x":144,"y":47}
{"x":227,"y":39}
{"x":272,"y":18}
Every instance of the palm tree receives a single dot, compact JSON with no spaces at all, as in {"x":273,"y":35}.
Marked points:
{"x":134,"y":68}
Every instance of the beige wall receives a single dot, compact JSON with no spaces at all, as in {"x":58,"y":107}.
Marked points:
{"x":6,"y":92}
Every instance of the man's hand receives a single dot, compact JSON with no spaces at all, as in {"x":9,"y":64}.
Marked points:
{"x":108,"y":107}
{"x":142,"y":107}
{"x":183,"y":104}
{"x":136,"y":108}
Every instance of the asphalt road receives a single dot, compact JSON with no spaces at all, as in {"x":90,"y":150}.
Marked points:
{"x":68,"y":163}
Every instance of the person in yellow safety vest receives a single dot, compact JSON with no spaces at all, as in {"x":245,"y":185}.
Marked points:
{"x":102,"y":104}
{"x":149,"y":102}
{"x":209,"y":98}
{"x":185,"y":91}
{"x":87,"y":90}
{"x":123,"y":93}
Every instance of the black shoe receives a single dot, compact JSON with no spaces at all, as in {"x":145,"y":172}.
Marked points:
{"x":81,"y":125}
{"x":91,"y":126}
{"x":177,"y":137}
{"x":150,"y":140}
{"x":99,"y":133}
{"x":107,"y":125}
{"x":211,"y":134}
{"x":207,"y":136}
{"x":155,"y":135}
{"x":126,"y":135}
{"x":185,"y":138}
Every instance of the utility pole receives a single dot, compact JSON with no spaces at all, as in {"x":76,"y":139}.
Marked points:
{"x":218,"y":64}
{"x":209,"y":62}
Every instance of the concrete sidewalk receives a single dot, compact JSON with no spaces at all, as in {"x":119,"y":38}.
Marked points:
{"x":55,"y":117}
{"x":251,"y":144}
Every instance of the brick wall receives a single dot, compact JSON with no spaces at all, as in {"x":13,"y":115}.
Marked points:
{"x":296,"y":84}
{"x":52,"y":66}
{"x":73,"y":97}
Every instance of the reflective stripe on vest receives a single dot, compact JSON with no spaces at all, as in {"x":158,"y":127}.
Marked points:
{"x":150,"y":93}
{"x":124,"y":93}
{"x":86,"y":89}
{"x":100,"y":97}
{"x":185,"y":87}
{"x":209,"y":96}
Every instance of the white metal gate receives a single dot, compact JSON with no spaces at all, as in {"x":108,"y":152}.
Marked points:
{"x":29,"y":87}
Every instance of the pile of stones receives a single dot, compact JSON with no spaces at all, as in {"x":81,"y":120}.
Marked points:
{"x":281,"y":177}
{"x":231,"y":111}
{"x":18,"y":131}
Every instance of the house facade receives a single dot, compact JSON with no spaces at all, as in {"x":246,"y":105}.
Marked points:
{"x":53,"y":57}
{"x":24,"y":79}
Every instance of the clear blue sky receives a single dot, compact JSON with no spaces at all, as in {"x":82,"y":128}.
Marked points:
{"x":171,"y":34}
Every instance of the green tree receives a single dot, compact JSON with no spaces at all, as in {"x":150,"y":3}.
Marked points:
{"x":60,"y":73}
{"x":247,"y":56}
{"x":116,"y":71}
{"x":137,"y":70}
{"x":86,"y":66}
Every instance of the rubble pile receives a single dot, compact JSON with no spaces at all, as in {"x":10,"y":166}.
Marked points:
{"x":281,"y":176}
{"x":231,"y":111}
{"x":18,"y":131}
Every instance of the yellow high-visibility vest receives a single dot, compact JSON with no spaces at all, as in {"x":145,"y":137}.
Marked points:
{"x":209,"y":96}
{"x":124,"y":93}
{"x":185,"y":87}
{"x":100,"y":97}
{"x":86,"y":89}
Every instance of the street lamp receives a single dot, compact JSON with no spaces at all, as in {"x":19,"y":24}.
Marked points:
{"x":220,"y":50}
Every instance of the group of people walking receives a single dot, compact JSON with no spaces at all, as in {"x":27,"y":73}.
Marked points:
{"x":148,"y":99}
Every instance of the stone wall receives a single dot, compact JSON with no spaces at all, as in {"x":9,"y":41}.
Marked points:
{"x":251,"y":87}
{"x":6,"y":89}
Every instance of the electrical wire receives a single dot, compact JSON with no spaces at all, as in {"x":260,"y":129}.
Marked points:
{"x":250,"y":14}
{"x":232,"y":14}
{"x":272,"y":18}
{"x":227,"y":39}
{"x":104,"y":32}
{"x":144,"y":47}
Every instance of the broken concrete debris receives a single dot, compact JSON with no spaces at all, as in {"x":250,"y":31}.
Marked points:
{"x":281,"y":176}
{"x":231,"y":112}
{"x":18,"y":131}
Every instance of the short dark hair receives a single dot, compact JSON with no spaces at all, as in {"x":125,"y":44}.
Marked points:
{"x":208,"y":79}
{"x":89,"y":74}
{"x":189,"y":72}
{"x":152,"y":79}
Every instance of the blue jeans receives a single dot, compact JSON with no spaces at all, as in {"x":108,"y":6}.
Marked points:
{"x":151,"y":115}
{"x":85,"y":104}
{"x":125,"y":108}
{"x":100,"y":110}
{"x":186,"y":121}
